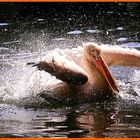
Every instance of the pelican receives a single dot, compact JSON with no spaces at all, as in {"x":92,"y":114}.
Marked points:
{"x":88,"y":77}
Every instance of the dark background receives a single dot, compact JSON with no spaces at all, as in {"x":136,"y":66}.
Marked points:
{"x":30,"y":10}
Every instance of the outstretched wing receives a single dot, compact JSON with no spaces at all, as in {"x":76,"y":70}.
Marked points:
{"x":63,"y":68}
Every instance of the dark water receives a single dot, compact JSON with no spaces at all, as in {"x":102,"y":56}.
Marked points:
{"x":22,"y":40}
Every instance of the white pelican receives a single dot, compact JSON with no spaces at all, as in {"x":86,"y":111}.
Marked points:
{"x":89,"y":77}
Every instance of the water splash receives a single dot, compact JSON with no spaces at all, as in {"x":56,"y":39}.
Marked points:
{"x":130,"y":90}
{"x":18,"y":81}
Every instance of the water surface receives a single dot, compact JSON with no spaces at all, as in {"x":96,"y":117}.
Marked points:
{"x":24,"y":114}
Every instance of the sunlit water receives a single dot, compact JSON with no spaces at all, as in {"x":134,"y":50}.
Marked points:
{"x":24,"y":114}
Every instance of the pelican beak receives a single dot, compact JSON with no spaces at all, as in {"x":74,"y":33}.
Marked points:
{"x":107,"y":74}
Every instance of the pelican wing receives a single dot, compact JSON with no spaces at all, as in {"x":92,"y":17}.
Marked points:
{"x":63,"y":68}
{"x":117,"y":56}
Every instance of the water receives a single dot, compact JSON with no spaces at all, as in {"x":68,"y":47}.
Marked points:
{"x":24,"y":114}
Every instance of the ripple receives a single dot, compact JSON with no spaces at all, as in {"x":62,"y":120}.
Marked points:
{"x":120,"y":28}
{"x":60,"y":39}
{"x":3,"y":48}
{"x":121,"y":39}
{"x":131,"y":45}
{"x":9,"y":135}
{"x":75,"y":32}
{"x":4,"y":24}
{"x":11,"y":42}
{"x":40,"y":19}
{"x":93,"y":31}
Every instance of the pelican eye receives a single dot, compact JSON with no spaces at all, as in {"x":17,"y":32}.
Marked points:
{"x":94,"y":52}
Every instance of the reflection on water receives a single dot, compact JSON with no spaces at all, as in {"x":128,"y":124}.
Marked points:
{"x":24,"y":114}
{"x":86,"y":120}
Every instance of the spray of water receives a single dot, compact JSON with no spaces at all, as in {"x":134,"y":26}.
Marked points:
{"x":19,"y":81}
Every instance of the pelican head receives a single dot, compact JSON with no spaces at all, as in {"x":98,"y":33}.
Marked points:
{"x":92,"y":50}
{"x":92,"y":55}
